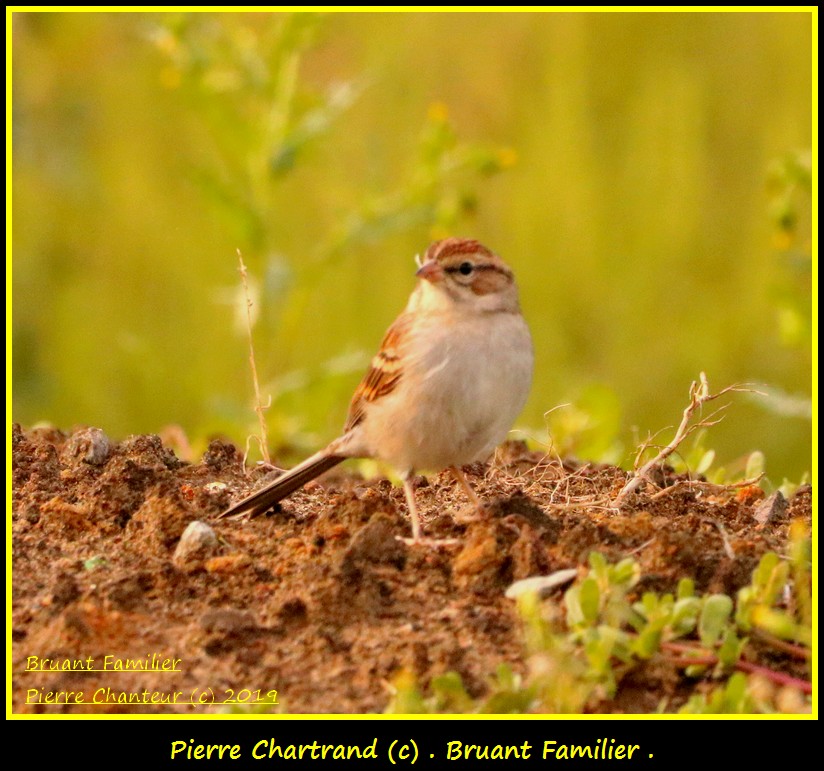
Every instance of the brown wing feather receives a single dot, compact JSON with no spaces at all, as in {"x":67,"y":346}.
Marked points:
{"x":384,"y":372}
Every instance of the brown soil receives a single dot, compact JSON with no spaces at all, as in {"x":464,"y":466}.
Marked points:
{"x":320,"y":601}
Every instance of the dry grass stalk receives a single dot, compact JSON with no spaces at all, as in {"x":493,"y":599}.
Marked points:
{"x":260,"y":408}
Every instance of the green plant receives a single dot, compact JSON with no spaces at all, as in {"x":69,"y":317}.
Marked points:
{"x":698,"y":460}
{"x":789,"y":185}
{"x":576,"y":662}
{"x":731,"y":698}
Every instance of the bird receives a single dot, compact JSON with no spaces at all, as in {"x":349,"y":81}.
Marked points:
{"x":452,"y":374}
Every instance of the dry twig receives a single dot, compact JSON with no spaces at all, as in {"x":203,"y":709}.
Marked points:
{"x":699,"y":396}
{"x":728,"y":550}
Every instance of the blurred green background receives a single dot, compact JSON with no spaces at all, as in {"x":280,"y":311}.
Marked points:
{"x":647,"y":175}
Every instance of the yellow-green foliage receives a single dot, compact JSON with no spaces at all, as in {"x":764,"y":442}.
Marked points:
{"x":576,"y":660}
{"x":638,"y":200}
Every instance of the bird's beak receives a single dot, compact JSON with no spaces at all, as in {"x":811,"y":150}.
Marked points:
{"x":431,"y":271}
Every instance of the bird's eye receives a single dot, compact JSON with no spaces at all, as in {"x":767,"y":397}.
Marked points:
{"x":465,"y":268}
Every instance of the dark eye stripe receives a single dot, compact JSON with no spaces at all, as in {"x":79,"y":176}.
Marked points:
{"x":457,"y":268}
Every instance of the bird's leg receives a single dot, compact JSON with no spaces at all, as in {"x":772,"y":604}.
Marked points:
{"x":477,"y":503}
{"x":409,"y":491}
{"x":417,"y":539}
{"x":463,"y":482}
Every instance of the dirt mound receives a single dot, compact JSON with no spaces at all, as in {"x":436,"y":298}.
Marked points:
{"x":320,"y":601}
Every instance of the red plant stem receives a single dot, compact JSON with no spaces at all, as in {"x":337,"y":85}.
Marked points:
{"x":776,"y":677}
{"x":708,"y":660}
{"x":682,"y":647}
{"x":799,"y":651}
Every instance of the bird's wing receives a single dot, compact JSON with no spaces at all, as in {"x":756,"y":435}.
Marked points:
{"x":384,"y":372}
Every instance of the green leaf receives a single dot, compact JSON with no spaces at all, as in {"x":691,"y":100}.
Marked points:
{"x":731,"y":698}
{"x":407,"y":699}
{"x":649,"y":604}
{"x":626,"y":573}
{"x":731,"y":648}
{"x":647,"y":643}
{"x":773,"y":575}
{"x":768,"y":563}
{"x":509,"y":702}
{"x":597,"y":562}
{"x":755,"y":465}
{"x":590,"y":599}
{"x":780,"y":624}
{"x":715,"y":615}
{"x":745,"y":603}
{"x":450,"y":694}
{"x":574,"y":611}
{"x":704,"y":464}
{"x":735,"y":694}
{"x":686,"y":588}
{"x":684,"y":615}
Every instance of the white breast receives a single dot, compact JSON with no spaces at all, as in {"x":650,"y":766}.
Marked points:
{"x":458,"y":396}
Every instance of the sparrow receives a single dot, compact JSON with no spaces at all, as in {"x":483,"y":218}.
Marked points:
{"x":452,"y":373}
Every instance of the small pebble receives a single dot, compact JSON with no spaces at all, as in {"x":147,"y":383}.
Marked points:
{"x":770,"y":509}
{"x":197,"y":542}
{"x":90,"y":445}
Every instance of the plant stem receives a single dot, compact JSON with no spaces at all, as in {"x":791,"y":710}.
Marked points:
{"x":709,"y":660}
{"x":776,"y":677}
{"x":699,"y":396}
{"x":259,"y":407}
{"x":798,"y":651}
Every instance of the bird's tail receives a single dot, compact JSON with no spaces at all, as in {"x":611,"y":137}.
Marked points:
{"x":285,"y":485}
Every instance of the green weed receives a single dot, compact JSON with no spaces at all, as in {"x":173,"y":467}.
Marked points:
{"x":576,"y":661}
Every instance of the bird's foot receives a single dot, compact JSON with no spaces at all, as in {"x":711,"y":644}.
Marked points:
{"x":472,"y":514}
